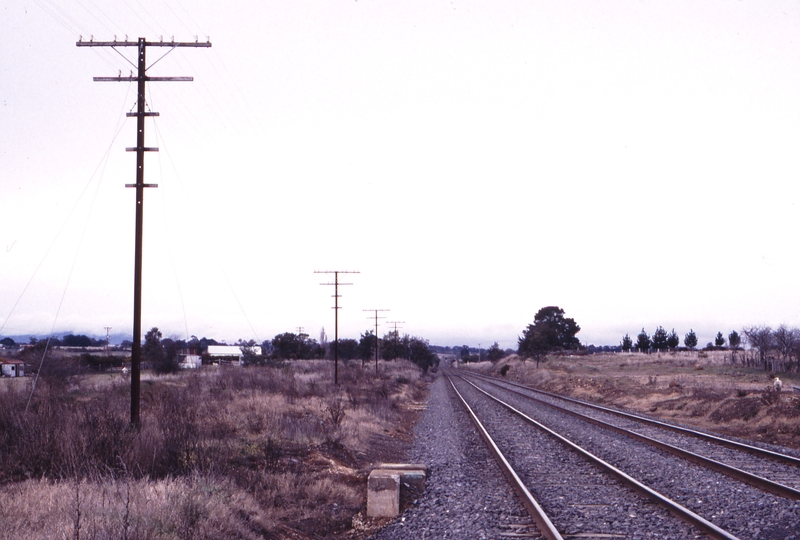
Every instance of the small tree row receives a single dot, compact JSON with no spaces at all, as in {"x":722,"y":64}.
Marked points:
{"x":662,"y":341}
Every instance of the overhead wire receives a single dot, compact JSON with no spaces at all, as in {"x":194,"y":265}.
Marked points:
{"x":110,"y":30}
{"x":159,"y":143}
{"x":104,"y":163}
{"x":222,"y":270}
{"x":103,"y":160}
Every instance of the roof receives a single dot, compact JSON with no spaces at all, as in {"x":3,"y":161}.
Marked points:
{"x":229,"y":350}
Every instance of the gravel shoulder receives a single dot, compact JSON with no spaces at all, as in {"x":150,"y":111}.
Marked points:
{"x":467,"y":495}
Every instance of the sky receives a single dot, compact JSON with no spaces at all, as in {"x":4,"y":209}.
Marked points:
{"x":634,"y":163}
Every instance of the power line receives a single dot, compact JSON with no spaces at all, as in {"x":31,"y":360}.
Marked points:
{"x":336,"y":311}
{"x":141,"y":79}
{"x":396,"y":336}
{"x":377,"y":341}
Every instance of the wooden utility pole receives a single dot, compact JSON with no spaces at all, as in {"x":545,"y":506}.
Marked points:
{"x":377,"y":341}
{"x":108,"y":337}
{"x":396,"y":336}
{"x":141,"y":78}
{"x":336,"y":317}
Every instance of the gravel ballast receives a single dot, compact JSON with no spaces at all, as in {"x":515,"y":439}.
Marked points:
{"x":467,"y":495}
{"x":743,"y":510}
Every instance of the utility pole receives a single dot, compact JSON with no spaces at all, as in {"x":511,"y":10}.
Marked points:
{"x":108,"y":328}
{"x":396,"y":336}
{"x":377,"y":341}
{"x":141,"y":78}
{"x":336,"y":311}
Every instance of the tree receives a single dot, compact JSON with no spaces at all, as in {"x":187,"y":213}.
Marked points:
{"x":786,"y":340}
{"x":392,"y":345}
{"x":690,"y":339}
{"x":734,"y":340}
{"x":153,"y":352}
{"x":8,"y":342}
{"x":421,"y":354}
{"x":76,"y":341}
{"x":673,"y":341}
{"x":495,"y":353}
{"x":296,"y":346}
{"x":659,"y":339}
{"x":250,"y":356}
{"x":464,"y":353}
{"x":550,"y":331}
{"x":627,"y":343}
{"x":643,"y":342}
{"x":719,"y":341}
{"x":366,"y":346}
{"x":761,"y":339}
{"x":348,"y":349}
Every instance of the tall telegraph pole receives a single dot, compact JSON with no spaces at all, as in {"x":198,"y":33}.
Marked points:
{"x":336,"y":309}
{"x":396,"y":335}
{"x":377,"y":341}
{"x":141,"y":78}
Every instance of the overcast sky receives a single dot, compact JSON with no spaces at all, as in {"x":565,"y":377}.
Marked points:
{"x":635,"y":163}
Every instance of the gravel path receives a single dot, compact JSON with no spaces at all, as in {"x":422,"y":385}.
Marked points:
{"x":467,"y":496}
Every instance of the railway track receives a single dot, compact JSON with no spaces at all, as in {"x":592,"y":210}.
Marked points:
{"x":558,"y":458}
{"x":775,"y":472}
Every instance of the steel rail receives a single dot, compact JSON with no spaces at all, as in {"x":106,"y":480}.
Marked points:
{"x":749,"y":478}
{"x":755,"y":450}
{"x":546,"y":527}
{"x":677,"y":509}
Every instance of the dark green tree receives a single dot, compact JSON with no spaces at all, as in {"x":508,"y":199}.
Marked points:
{"x":251,"y":356}
{"x":734,"y":340}
{"x":495,"y":353}
{"x":627,"y":343}
{"x":76,"y":341}
{"x":464,"y":353}
{"x":719,"y":341}
{"x":348,"y":349}
{"x":659,"y":339}
{"x":422,"y":355}
{"x":550,"y":332}
{"x":154,"y":353}
{"x":643,"y":342}
{"x":366,"y":347}
{"x":673,"y":340}
{"x":392,"y":345}
{"x":8,"y":342}
{"x":690,"y":339}
{"x":287,"y":346}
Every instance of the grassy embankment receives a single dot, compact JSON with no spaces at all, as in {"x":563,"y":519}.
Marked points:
{"x":704,"y":390}
{"x":221,"y":453}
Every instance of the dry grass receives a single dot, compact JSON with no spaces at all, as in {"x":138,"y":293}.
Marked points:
{"x":701,"y":389}
{"x":222,"y":453}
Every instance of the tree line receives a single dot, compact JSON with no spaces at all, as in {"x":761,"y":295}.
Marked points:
{"x":662,"y":341}
{"x":162,"y":353}
{"x":69,"y":340}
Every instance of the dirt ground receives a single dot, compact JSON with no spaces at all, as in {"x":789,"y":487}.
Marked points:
{"x":700,"y":389}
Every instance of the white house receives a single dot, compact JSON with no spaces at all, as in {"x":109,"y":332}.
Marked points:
{"x":190,"y":361}
{"x":12,"y":368}
{"x":229,"y":353}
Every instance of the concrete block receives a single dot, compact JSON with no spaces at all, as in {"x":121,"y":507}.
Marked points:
{"x":412,"y":485}
{"x":383,"y":493}
{"x":404,"y":467}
